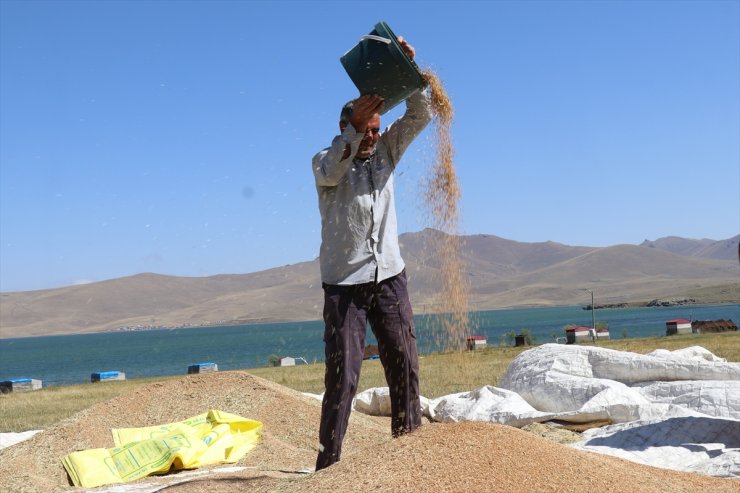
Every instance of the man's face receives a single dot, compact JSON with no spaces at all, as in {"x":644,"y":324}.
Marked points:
{"x":370,"y":140}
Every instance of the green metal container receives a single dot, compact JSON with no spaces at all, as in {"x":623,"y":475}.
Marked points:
{"x":378,"y":65}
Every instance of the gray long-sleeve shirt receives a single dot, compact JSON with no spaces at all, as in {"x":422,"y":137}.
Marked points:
{"x":359,"y":232}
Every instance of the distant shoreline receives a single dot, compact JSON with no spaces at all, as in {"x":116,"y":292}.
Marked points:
{"x":653,"y":303}
{"x":270,"y":320}
{"x":255,"y":321}
{"x":217,"y":323}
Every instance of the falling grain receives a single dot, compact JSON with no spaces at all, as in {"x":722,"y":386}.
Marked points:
{"x":442,"y":197}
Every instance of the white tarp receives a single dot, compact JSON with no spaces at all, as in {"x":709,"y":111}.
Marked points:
{"x":571,"y":383}
{"x":558,"y":378}
{"x":11,"y":438}
{"x":696,"y":444}
{"x":662,"y":391}
{"x":485,"y":404}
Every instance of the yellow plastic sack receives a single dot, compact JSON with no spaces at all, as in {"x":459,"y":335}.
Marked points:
{"x":214,"y":437}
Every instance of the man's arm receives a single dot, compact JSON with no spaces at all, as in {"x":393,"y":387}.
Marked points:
{"x":418,"y":114}
{"x":404,"y":130}
{"x":331,"y":164}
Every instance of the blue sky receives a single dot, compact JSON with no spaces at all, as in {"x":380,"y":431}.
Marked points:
{"x":176,"y":137}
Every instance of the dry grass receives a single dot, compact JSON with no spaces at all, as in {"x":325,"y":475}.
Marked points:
{"x":441,"y":374}
{"x":22,"y":411}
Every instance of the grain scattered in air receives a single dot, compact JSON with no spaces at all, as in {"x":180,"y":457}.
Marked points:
{"x":442,"y":195}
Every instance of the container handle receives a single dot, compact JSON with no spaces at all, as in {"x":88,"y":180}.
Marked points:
{"x":376,"y":38}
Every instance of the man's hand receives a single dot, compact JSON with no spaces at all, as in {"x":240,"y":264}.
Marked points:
{"x":364,"y":109}
{"x":407,"y":48}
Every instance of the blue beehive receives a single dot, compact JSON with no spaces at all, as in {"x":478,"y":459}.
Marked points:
{"x":203,"y":368}
{"x":105,"y":376}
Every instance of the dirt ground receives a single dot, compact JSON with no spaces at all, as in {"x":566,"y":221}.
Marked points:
{"x":437,"y":457}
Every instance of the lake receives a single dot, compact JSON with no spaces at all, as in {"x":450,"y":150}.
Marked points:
{"x":70,"y":359}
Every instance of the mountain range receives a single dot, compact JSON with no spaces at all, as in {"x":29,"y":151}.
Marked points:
{"x":501,"y":273}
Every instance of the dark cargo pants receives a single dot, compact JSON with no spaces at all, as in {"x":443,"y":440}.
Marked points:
{"x":347,"y":309}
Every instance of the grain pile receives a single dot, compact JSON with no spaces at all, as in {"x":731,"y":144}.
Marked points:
{"x":442,"y":198}
{"x":437,"y":457}
{"x":291,"y":423}
{"x":495,"y":458}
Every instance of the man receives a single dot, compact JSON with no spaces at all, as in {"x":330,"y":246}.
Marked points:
{"x":361,"y":267}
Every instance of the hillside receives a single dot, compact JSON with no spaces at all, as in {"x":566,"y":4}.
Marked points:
{"x":501,"y":272}
{"x":704,"y":248}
